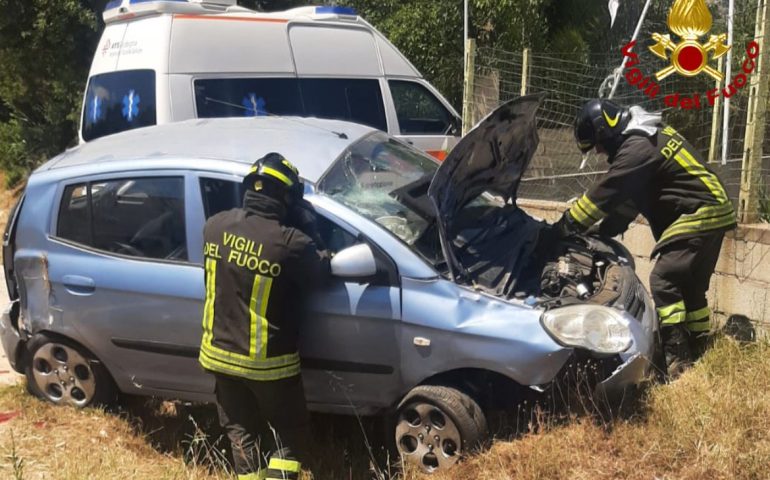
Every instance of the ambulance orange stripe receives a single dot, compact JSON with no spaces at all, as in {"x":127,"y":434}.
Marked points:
{"x":440,"y":155}
{"x":182,"y":16}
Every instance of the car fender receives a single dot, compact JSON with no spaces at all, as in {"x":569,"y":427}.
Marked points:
{"x":447,"y":327}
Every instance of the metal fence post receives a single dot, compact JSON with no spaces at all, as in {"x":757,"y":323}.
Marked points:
{"x":715,"y":120}
{"x":756,"y":123}
{"x":524,"y":71}
{"x":469,"y":84}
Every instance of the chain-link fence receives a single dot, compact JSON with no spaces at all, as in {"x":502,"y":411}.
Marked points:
{"x":567,"y":80}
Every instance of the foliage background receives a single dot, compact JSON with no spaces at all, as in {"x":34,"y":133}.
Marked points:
{"x":46,"y":48}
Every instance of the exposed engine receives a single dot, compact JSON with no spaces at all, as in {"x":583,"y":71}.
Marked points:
{"x":511,"y":255}
{"x":581,"y":272}
{"x":573,"y":274}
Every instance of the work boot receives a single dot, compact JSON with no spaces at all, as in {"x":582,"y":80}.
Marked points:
{"x":699,"y":343}
{"x":676,"y":347}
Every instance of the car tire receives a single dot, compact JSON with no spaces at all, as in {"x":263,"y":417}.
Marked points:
{"x":62,"y":372}
{"x":436,"y":426}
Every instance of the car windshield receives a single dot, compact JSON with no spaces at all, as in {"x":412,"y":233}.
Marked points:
{"x":386,"y":181}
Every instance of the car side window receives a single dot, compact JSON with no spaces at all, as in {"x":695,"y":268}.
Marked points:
{"x":419,"y":112}
{"x":138,"y":217}
{"x":335,"y":237}
{"x":220,"y":195}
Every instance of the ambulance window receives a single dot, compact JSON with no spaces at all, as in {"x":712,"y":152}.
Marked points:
{"x":419,"y":112}
{"x":119,"y":101}
{"x":353,"y":100}
{"x":247,"y":97}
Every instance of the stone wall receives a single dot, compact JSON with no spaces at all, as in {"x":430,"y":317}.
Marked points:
{"x":741,"y":282}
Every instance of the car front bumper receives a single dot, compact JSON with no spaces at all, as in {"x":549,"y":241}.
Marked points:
{"x":9,"y":335}
{"x":627,"y":376}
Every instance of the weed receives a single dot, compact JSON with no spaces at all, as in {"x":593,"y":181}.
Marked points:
{"x":17,"y":463}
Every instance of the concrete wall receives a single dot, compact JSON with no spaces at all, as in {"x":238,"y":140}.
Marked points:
{"x":741,"y":282}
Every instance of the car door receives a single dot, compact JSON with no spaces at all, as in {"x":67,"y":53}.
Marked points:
{"x":121,"y":276}
{"x":350,"y":341}
{"x":423,"y":119}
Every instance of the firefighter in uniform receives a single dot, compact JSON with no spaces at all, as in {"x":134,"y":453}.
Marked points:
{"x":654,"y":171}
{"x":258,"y":271}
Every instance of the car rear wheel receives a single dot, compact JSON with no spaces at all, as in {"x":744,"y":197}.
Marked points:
{"x":62,"y":372}
{"x":437,"y":425}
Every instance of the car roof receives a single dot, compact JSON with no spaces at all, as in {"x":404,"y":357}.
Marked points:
{"x":311,"y":144}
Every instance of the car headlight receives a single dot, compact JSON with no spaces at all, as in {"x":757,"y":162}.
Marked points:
{"x":593,"y":327}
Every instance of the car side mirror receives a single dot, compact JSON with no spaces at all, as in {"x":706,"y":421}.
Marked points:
{"x":354,"y":262}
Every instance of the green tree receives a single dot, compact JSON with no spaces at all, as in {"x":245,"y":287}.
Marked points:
{"x":430,"y":33}
{"x":46,"y":48}
{"x":45,"y":52}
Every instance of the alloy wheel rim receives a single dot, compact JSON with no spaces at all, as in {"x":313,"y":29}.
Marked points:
{"x":427,"y":437}
{"x":63,"y":375}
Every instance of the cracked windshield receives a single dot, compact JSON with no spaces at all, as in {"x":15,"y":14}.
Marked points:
{"x":377,"y":177}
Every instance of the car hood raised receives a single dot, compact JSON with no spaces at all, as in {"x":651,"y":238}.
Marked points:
{"x":490,"y":158}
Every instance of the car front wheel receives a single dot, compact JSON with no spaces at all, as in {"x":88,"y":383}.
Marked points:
{"x":62,"y":372}
{"x":436,"y":425}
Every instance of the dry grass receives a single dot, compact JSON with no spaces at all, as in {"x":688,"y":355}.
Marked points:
{"x":714,"y":422}
{"x":160,"y":440}
{"x":44,"y":441}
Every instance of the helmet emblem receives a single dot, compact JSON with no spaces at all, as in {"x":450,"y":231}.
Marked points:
{"x":612,"y":122}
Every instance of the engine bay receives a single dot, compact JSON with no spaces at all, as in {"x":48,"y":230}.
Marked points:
{"x":507,"y":253}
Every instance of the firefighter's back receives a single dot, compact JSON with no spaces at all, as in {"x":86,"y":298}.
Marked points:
{"x":251,"y":313}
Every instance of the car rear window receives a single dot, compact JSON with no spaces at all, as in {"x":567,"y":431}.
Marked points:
{"x":118,"y":101}
{"x":353,"y":100}
{"x":139,"y":217}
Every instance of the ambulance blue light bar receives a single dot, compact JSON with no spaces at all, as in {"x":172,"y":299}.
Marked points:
{"x":335,"y":11}
{"x":113,"y":4}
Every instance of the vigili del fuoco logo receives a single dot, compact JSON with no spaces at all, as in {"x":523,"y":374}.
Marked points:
{"x":690,"y":21}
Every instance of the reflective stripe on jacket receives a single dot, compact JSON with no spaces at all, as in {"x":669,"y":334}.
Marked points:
{"x":258,"y":275}
{"x":663,"y":178}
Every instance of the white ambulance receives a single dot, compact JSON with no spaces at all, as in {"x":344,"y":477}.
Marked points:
{"x":166,"y":61}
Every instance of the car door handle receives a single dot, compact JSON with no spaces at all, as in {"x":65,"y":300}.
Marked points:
{"x":79,"y":285}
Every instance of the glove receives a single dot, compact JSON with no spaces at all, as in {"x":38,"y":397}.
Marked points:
{"x":566,"y":226}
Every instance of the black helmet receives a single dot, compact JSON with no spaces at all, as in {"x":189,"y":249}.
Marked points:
{"x":600,"y":122}
{"x":275,"y":176}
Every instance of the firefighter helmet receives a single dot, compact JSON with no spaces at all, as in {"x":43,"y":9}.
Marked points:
{"x":600,"y":122}
{"x":274,"y":175}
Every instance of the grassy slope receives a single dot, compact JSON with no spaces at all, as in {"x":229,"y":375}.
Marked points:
{"x":64,"y":443}
{"x":714,"y":423}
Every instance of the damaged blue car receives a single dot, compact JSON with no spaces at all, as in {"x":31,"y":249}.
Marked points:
{"x":447,"y":300}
